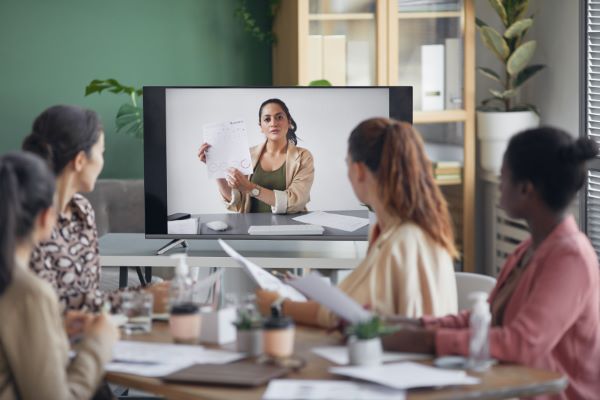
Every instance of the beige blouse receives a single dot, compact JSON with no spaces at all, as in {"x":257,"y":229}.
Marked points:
{"x":299,"y":176}
{"x":405,"y":273}
{"x":34,"y":350}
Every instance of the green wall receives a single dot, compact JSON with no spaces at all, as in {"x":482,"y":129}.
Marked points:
{"x":50,"y":50}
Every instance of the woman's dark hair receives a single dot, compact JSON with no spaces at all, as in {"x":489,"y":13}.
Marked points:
{"x":393,"y":151}
{"x":552,"y":160}
{"x":26,"y":189}
{"x":291,"y":133}
{"x":61,"y":132}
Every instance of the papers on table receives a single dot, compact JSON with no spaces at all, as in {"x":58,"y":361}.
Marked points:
{"x":406,"y":375}
{"x":336,"y":221}
{"x":183,"y":227}
{"x":262,"y":278}
{"x":228,"y":148}
{"x":291,"y":389}
{"x":339,"y":355}
{"x":158,"y":359}
{"x":338,"y":302}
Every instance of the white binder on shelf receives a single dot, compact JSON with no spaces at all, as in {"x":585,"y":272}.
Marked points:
{"x":334,"y":59}
{"x":315,"y":58}
{"x":453,"y":70}
{"x":432,"y":77}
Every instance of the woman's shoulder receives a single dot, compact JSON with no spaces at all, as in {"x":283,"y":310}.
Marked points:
{"x":82,"y":206}
{"x":29,"y":289}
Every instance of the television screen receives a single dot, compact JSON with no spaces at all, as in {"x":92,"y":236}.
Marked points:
{"x":244,"y":186}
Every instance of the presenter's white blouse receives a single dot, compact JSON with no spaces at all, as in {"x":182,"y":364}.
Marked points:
{"x":404,"y":273}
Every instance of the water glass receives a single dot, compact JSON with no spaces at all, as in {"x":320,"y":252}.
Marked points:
{"x":137,"y":307}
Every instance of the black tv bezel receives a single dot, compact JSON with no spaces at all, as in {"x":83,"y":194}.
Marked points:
{"x":155,"y":158}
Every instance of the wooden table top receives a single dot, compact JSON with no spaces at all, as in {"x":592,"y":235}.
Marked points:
{"x":500,"y":382}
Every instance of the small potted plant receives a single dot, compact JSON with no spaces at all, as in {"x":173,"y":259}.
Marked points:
{"x":364,"y":341}
{"x":249,"y":330}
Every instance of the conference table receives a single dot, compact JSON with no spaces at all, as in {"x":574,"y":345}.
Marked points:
{"x":500,"y":382}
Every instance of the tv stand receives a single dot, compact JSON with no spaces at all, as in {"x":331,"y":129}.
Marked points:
{"x":172,"y":244}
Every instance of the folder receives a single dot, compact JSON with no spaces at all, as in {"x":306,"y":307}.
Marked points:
{"x":453,"y":79}
{"x":334,"y":59}
{"x":432,"y":77}
{"x":315,"y":58}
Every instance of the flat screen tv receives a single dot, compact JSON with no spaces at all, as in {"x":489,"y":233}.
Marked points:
{"x":182,"y":193}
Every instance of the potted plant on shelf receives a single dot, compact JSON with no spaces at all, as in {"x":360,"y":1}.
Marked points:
{"x":249,"y":330}
{"x":364,"y":341}
{"x":502,"y":115}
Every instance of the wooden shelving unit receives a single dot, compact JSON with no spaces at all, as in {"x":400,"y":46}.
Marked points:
{"x":290,"y":67}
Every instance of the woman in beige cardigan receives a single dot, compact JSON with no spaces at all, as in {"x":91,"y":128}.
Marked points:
{"x":283,"y":173}
{"x":408,"y":269}
{"x":34,"y":350}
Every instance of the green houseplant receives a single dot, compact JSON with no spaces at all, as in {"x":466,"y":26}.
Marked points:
{"x":249,"y":329}
{"x":364,"y":343}
{"x":129,"y":118}
{"x":504,"y":114}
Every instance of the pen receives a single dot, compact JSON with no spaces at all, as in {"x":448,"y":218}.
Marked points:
{"x":137,"y":362}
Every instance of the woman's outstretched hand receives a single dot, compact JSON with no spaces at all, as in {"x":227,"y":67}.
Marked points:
{"x":237,"y":180}
{"x":202,"y":152}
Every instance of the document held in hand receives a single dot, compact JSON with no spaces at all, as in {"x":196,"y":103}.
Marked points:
{"x":338,"y":302}
{"x":262,"y":278}
{"x":228,"y":148}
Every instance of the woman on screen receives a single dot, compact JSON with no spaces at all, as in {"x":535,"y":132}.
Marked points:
{"x":34,"y":361}
{"x":283,"y":173}
{"x":71,"y":140}
{"x":408,"y":269}
{"x":546,"y":304}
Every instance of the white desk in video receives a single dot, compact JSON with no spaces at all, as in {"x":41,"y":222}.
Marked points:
{"x":133,"y":250}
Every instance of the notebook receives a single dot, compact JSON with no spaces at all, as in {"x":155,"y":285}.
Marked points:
{"x":243,"y":373}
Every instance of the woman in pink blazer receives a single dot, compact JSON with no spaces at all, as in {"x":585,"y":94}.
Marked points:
{"x":546,"y":304}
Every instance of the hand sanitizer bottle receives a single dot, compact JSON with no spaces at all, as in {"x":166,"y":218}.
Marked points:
{"x":479,"y":351}
{"x":182,"y":285}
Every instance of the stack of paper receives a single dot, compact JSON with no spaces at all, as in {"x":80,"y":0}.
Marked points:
{"x":289,"y":389}
{"x":339,"y":355}
{"x":159,"y":359}
{"x":406,"y":375}
{"x":183,"y":227}
{"x":336,"y":221}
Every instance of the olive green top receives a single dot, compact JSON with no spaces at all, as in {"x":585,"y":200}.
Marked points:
{"x":272,"y":180}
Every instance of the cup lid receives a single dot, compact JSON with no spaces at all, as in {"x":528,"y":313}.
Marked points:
{"x":184,"y":309}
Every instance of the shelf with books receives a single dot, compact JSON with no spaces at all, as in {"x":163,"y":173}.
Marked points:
{"x":341,"y":17}
{"x":430,"y":15}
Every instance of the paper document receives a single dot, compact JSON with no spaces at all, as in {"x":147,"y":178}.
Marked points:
{"x":291,"y":389}
{"x":183,"y":227}
{"x":339,"y":355}
{"x":336,"y":221}
{"x":406,"y":375}
{"x":262,"y":278}
{"x":228,"y":148}
{"x":338,"y":302}
{"x":158,"y":359}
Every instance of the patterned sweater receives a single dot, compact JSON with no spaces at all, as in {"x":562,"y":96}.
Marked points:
{"x":70,"y":260}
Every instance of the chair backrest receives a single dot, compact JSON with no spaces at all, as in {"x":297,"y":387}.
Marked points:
{"x":119,"y":205}
{"x":467,"y":283}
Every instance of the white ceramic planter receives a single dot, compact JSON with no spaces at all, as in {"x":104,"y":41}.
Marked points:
{"x":364,"y":352}
{"x":250,"y":342}
{"x":495,"y":129}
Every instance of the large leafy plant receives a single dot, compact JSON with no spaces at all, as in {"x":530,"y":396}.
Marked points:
{"x":129,"y":118}
{"x":513,"y":51}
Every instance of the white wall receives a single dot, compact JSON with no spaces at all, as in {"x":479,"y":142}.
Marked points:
{"x":325,"y":118}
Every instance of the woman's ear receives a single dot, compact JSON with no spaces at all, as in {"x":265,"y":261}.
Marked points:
{"x":79,"y":161}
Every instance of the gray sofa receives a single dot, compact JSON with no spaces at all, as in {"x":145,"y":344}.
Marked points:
{"x":119,"y":208}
